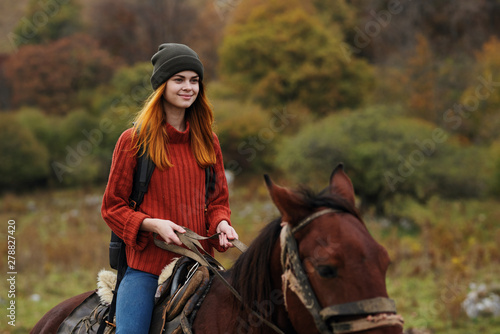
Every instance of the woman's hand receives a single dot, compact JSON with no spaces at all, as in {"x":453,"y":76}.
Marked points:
{"x":164,"y":228}
{"x":227,"y":233}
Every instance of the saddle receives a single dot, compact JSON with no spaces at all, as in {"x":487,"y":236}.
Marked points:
{"x":176,"y":302}
{"x":179,"y":298}
{"x":86,"y":317}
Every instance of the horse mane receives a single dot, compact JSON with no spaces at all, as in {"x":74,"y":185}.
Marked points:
{"x":250,"y":274}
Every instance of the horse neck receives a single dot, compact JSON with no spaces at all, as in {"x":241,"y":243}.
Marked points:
{"x":260,"y":285}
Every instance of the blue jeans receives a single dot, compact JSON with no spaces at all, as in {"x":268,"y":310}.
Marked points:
{"x":135,"y":302}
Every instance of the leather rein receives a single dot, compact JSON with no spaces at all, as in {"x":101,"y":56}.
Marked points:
{"x":295,"y":278}
{"x":191,"y":240}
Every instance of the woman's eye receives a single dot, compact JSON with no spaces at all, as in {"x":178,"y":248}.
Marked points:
{"x":327,"y":271}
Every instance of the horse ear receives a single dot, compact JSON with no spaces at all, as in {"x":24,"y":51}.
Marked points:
{"x":341,"y":184}
{"x":288,"y":203}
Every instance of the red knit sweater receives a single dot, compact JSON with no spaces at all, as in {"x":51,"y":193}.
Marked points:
{"x":176,"y":194}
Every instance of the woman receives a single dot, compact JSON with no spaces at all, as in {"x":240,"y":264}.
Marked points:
{"x":175,"y":125}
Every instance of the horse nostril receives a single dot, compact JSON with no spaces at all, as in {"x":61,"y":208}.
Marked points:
{"x":327,"y":271}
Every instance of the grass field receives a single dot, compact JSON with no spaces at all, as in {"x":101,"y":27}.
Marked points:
{"x":437,"y":250}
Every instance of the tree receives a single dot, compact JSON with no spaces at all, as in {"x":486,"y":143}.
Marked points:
{"x":476,"y":115}
{"x":206,"y":35}
{"x":47,"y":21}
{"x":278,"y":51}
{"x":133,"y":29}
{"x":340,"y":12}
{"x":421,"y":71}
{"x":52,"y":76}
{"x":455,"y":28}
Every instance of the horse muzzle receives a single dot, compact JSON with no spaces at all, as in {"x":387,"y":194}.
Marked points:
{"x":375,"y":313}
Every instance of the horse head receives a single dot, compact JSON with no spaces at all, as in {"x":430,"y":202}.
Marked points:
{"x":332,"y":271}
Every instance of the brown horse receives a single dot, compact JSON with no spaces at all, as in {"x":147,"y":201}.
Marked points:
{"x":314,"y":270}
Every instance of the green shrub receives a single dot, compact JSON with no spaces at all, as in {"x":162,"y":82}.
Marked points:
{"x":245,"y":139}
{"x":77,"y":160}
{"x":24,"y":159}
{"x":45,"y":128}
{"x":495,"y":156}
{"x":77,"y":145}
{"x":249,"y":134}
{"x":385,"y":155}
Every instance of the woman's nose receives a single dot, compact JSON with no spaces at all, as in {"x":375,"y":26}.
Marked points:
{"x":187,"y":86}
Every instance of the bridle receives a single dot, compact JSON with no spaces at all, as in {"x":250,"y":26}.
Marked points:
{"x":295,"y":279}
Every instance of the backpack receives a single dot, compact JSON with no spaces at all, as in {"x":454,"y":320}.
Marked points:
{"x":142,"y":176}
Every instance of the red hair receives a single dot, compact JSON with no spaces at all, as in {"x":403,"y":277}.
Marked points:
{"x":150,"y":133}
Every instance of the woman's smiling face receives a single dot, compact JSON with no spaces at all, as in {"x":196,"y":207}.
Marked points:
{"x":182,"y":89}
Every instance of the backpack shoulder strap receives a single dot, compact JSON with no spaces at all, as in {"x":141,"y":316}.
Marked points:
{"x":142,"y":177}
{"x":209,"y":183}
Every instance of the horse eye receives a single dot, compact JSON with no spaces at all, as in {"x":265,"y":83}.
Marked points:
{"x":327,"y":271}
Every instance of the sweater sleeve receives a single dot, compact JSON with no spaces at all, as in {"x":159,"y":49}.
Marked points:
{"x":218,"y":204}
{"x":115,"y":210}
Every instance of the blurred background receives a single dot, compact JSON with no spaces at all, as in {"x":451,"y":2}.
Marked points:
{"x":406,"y":93}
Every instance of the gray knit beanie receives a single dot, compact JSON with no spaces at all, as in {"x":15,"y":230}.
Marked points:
{"x":173,"y":58}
